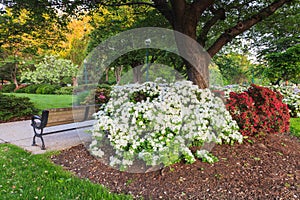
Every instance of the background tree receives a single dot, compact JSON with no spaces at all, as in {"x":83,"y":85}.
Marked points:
{"x":276,"y":33}
{"x":235,"y":68}
{"x":74,"y":47}
{"x":23,"y":39}
{"x":52,"y":70}
{"x":284,"y":66}
{"x":212,"y":23}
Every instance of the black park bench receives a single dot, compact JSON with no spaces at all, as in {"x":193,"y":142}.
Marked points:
{"x":60,"y":116}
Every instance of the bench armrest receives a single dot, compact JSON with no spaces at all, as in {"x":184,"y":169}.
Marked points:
{"x":36,"y":121}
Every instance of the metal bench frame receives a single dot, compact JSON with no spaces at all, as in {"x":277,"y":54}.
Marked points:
{"x":40,"y":122}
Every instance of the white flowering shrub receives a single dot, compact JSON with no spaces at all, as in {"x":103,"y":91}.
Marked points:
{"x":157,"y":123}
{"x":291,"y":96}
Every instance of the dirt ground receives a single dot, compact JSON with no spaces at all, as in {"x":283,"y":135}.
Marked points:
{"x":260,"y":168}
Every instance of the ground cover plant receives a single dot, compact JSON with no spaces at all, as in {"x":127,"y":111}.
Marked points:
{"x":26,"y":176}
{"x":15,"y":108}
{"x":47,"y":101}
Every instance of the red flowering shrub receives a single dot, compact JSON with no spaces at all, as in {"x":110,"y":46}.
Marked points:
{"x":259,"y":110}
{"x":102,"y":95}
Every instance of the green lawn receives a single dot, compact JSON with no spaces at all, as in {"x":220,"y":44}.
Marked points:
{"x":47,"y":101}
{"x":27,"y":176}
{"x":295,"y":126}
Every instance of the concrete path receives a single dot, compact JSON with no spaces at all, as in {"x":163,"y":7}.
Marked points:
{"x":20,"y":133}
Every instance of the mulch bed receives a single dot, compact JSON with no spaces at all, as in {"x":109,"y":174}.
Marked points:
{"x":262,"y":168}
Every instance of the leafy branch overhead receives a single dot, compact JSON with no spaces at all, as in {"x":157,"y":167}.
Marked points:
{"x":214,"y":24}
{"x":225,"y":20}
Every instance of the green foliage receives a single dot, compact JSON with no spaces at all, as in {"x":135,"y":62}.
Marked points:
{"x":15,"y":107}
{"x":31,"y":89}
{"x":284,"y":66}
{"x":8,"y":88}
{"x":234,"y":68}
{"x":27,"y":176}
{"x":65,"y":90}
{"x":279,"y":32}
{"x":23,"y":37}
{"x":47,"y":89}
{"x":51,"y":70}
{"x":215,"y":75}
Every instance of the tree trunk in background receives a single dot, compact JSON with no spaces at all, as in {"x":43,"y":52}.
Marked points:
{"x":14,"y":75}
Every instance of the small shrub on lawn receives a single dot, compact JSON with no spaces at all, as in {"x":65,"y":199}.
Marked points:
{"x":65,"y":91}
{"x":259,"y":110}
{"x":31,"y":89}
{"x":100,"y":95}
{"x":8,"y":88}
{"x":15,"y":107}
{"x":47,"y":89}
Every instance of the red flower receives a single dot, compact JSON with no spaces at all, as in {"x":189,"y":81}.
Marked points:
{"x":259,"y":109}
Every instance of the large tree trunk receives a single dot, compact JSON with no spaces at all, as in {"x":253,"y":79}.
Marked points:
{"x":184,"y":17}
{"x":197,"y":59}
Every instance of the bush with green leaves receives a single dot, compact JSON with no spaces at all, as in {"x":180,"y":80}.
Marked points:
{"x":51,"y":70}
{"x":158,"y":123}
{"x":100,"y":95}
{"x":65,"y":90}
{"x":8,"y":88}
{"x":47,"y":89}
{"x":12,"y":107}
{"x":31,"y":89}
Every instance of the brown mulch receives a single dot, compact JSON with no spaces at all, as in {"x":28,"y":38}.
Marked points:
{"x":263,"y":168}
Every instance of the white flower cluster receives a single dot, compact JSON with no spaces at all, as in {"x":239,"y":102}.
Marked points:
{"x":206,"y":156}
{"x":157,"y":123}
{"x":291,"y":96}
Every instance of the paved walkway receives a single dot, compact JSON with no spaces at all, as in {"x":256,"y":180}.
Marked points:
{"x":20,"y":133}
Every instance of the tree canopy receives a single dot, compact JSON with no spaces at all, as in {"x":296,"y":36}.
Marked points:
{"x":284,"y":66}
{"x":213,"y":24}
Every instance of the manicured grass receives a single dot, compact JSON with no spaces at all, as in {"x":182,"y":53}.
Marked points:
{"x":27,"y":176}
{"x":295,"y":127}
{"x":47,"y":101}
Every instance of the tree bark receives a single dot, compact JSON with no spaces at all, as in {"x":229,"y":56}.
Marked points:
{"x":184,"y":17}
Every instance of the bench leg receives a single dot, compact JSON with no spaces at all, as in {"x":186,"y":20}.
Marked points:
{"x":33,"y":141}
{"x":40,"y":135}
{"x":43,"y":144}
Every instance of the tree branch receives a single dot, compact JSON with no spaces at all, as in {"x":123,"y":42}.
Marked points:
{"x":128,"y":4}
{"x":218,"y":15}
{"x":163,"y":7}
{"x":242,"y":26}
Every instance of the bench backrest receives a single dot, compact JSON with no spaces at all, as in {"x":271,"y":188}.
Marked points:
{"x":44,"y":118}
{"x":58,"y":116}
